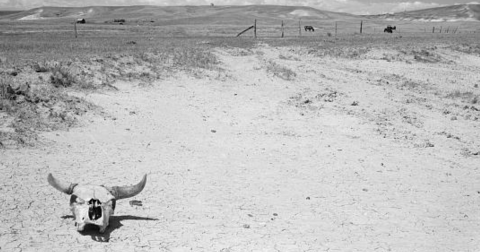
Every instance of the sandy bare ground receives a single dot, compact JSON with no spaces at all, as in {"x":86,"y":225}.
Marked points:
{"x":365,"y":154}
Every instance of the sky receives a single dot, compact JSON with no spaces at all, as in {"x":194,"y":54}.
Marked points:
{"x":349,"y":6}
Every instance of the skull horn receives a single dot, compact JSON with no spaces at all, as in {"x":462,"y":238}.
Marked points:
{"x":61,"y":185}
{"x":123,"y":192}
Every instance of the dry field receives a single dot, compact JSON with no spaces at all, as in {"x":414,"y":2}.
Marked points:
{"x":364,"y":142}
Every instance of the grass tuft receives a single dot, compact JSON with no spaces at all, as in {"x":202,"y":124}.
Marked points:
{"x":280,"y":71}
{"x":62,"y":77}
{"x":468,"y":97}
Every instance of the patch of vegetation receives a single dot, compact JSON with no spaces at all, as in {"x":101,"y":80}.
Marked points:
{"x":280,"y":71}
{"x":28,"y":110}
{"x":467,"y":97}
{"x":473,"y":48}
{"x":426,"y":56}
{"x":62,"y":77}
{"x":339,"y":52}
{"x":409,"y":84}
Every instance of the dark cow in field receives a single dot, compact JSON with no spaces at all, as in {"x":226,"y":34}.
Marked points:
{"x":309,"y":28}
{"x":390,"y":29}
{"x":81,"y":21}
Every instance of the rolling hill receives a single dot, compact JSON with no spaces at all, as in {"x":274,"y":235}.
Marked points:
{"x":181,"y":14}
{"x":234,"y":15}
{"x":460,"y":12}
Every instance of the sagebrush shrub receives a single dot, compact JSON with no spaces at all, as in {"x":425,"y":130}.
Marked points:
{"x":61,"y":77}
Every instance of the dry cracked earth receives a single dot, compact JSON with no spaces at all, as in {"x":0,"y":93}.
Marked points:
{"x":282,"y":150}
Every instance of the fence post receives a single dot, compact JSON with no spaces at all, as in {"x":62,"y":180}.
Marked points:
{"x":75,"y":28}
{"x":282,"y":29}
{"x":448,"y":28}
{"x":299,"y":28}
{"x":433,"y":29}
{"x":361,"y":26}
{"x":441,"y":29}
{"x":255,"y":29}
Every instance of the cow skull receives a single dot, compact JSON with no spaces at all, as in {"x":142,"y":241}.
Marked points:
{"x":94,"y":204}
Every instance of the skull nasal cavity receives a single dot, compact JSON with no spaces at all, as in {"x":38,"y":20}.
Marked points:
{"x":94,"y":209}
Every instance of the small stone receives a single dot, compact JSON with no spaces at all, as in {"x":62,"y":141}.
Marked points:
{"x":213,"y":131}
{"x":308,"y":198}
{"x":246,"y":226}
{"x":453,"y":118}
{"x":275,"y":214}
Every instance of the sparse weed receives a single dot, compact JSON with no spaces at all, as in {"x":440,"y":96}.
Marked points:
{"x":340,"y":52}
{"x":467,"y":48}
{"x":408,"y":84}
{"x":62,"y":77}
{"x":468,"y":97}
{"x":40,"y":67}
{"x":5,"y":103}
{"x":426,"y":56}
{"x":3,"y":87}
{"x":280,"y":71}
{"x":87,"y":85}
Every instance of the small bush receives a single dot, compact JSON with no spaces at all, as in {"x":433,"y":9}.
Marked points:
{"x":61,"y":77}
{"x":410,"y":84}
{"x":40,"y":68}
{"x":280,"y":71}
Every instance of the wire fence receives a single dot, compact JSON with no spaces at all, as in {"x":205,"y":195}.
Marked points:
{"x":259,"y":28}
{"x":334,"y":28}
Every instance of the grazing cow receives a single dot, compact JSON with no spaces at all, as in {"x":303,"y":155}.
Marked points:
{"x":81,"y":21}
{"x":390,"y":29}
{"x":309,"y":28}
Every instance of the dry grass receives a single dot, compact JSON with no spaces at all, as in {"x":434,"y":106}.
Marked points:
{"x":103,"y":54}
{"x":280,"y":71}
{"x":62,"y":77}
{"x":62,"y":63}
{"x":467,"y":97}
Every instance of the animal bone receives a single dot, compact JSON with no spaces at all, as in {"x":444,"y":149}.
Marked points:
{"x":94,"y":204}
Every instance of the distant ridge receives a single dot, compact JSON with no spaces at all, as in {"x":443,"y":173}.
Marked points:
{"x":452,"y":13}
{"x":225,"y":15}
{"x":5,"y":13}
{"x":181,"y":14}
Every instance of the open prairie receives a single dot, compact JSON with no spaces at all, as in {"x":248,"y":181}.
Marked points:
{"x":354,"y":142}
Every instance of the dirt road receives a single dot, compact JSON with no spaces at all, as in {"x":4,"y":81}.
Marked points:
{"x":281,"y":151}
